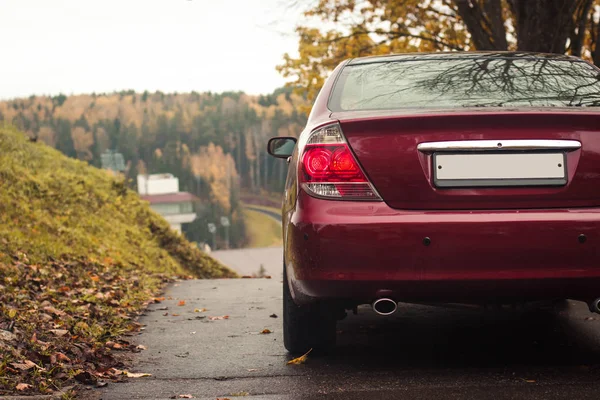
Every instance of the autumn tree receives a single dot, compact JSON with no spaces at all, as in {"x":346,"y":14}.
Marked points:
{"x":340,"y":29}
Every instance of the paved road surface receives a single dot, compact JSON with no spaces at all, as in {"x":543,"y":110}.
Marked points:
{"x":419,"y":353}
{"x":249,"y":261}
{"x":276,"y":215}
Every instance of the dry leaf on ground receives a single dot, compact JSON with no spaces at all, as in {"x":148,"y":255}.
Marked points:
{"x":218,"y":318}
{"x":25,"y":365}
{"x":181,"y":303}
{"x":136,"y":374}
{"x":200,"y":310}
{"x":299,"y":360}
{"x":23,"y":386}
{"x":265,"y":331}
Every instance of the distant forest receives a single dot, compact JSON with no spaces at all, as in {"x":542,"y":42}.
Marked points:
{"x":214,"y":143}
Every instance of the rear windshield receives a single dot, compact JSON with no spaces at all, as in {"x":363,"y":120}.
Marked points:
{"x":466,"y":82}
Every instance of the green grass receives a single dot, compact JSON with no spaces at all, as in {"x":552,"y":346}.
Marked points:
{"x":79,"y":252}
{"x":262,"y":230}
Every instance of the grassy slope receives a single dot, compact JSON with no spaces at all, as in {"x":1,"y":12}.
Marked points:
{"x":262,"y":230}
{"x":80,"y":253}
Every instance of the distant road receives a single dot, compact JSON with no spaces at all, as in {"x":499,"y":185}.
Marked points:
{"x":273,"y":214}
{"x":248,"y":261}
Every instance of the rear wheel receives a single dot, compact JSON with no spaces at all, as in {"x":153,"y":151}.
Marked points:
{"x":306,"y":327}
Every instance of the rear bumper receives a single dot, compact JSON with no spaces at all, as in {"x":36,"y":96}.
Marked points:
{"x":361,"y":251}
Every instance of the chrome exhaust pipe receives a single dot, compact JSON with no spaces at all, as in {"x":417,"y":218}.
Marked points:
{"x":595,"y":306}
{"x":384,"y":306}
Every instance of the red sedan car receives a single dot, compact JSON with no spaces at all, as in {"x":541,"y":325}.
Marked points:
{"x":445,"y":177}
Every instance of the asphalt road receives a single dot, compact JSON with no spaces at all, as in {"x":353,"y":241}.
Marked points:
{"x":421,"y":352}
{"x":247,"y":262}
{"x":273,"y":214}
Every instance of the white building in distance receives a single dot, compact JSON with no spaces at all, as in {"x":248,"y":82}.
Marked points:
{"x":162,"y":191}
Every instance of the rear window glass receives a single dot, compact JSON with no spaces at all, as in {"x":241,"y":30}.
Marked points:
{"x":466,"y":82}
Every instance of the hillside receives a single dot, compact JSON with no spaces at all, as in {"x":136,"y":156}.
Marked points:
{"x":80,"y":255}
{"x":214,"y":143}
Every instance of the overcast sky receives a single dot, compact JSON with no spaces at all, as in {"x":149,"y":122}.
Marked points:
{"x":84,"y":46}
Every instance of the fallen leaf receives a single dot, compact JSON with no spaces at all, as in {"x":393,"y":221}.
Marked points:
{"x":181,"y":303}
{"x":61,"y":357}
{"x":175,"y":315}
{"x":54,"y":311}
{"x":25,"y":365}
{"x":299,"y":360}
{"x":218,"y":318}
{"x":23,"y":386}
{"x":200,"y":310}
{"x":273,"y":315}
{"x":59,"y":332}
{"x":185,"y":396}
{"x":265,"y":331}
{"x":141,"y":347}
{"x":7,"y":336}
{"x":86,"y":378}
{"x":136,"y":374}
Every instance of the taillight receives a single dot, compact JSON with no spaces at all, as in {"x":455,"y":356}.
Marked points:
{"x":329,"y":168}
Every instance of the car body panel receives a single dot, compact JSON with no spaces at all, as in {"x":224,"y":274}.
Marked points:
{"x":373,"y":244}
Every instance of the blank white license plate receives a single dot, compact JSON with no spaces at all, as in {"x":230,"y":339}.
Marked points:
{"x":497,"y":169}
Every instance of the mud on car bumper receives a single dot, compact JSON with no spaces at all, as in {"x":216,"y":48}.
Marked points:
{"x":360,"y":251}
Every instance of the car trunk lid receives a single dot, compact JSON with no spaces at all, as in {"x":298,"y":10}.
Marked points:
{"x":386,"y":144}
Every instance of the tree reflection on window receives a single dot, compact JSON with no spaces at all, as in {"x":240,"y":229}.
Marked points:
{"x":482,"y":80}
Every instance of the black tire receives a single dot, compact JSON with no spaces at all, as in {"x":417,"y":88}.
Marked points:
{"x":307,"y":327}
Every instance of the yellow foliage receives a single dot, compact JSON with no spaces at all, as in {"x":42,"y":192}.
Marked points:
{"x":218,"y":170}
{"x":82,"y":142}
{"x":377,"y":27}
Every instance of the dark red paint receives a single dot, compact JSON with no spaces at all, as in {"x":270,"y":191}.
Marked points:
{"x":484,"y":244}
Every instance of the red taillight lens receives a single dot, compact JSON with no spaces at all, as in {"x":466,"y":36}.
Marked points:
{"x":329,"y":169}
{"x":317,"y":162}
{"x":330,"y":163}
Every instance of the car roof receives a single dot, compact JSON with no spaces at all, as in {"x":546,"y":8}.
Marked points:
{"x":460,"y":55}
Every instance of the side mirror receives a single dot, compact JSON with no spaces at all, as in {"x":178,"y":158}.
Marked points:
{"x":281,"y":147}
